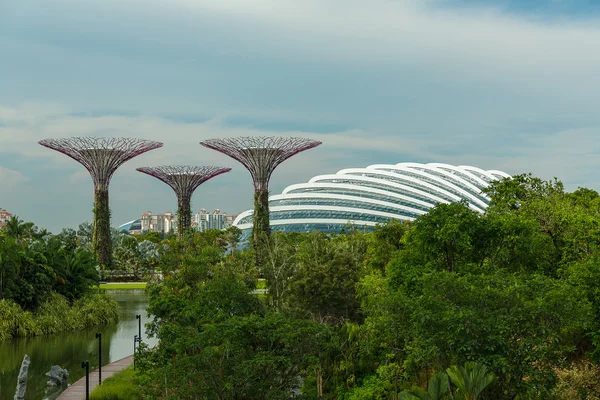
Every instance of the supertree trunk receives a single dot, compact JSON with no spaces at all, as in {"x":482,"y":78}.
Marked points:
{"x":101,"y":239}
{"x":261,"y":227}
{"x":184,"y":215}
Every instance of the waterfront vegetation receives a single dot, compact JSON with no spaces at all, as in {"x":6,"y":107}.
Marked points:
{"x":456,"y":304}
{"x":46,"y":283}
{"x":57,"y":315}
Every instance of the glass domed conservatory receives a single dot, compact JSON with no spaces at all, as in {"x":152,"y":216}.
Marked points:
{"x":365,"y":197}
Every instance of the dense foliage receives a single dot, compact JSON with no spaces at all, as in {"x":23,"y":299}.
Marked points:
{"x":504,"y":305}
{"x":46,"y":283}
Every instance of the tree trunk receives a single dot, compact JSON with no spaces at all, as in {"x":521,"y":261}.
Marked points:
{"x":102,"y":242}
{"x":261,"y":225}
{"x":184,"y":215}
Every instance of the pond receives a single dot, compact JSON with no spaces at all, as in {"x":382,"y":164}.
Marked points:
{"x":69,"y":349}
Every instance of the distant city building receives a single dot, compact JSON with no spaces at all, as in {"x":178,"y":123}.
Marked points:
{"x":205,"y":220}
{"x":167,"y":223}
{"x":5,"y":216}
{"x":164,"y":223}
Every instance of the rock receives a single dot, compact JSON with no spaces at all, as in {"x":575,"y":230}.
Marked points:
{"x":58,"y":376}
{"x":22,"y":379}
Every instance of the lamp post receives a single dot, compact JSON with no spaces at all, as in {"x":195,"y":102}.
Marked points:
{"x":139,"y":318}
{"x":86,"y":365}
{"x":99,"y":337}
{"x":136,"y":339}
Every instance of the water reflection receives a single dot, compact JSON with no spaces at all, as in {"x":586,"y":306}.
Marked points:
{"x":71,"y":348}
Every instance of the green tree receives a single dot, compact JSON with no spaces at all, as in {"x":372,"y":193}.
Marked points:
{"x":444,"y":237}
{"x":436,"y":389}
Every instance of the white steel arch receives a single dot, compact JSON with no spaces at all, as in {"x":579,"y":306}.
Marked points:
{"x":380,"y":182}
{"x":299,"y":208}
{"x":315,"y":221}
{"x":355,"y":188}
{"x":357,"y":200}
{"x":444,"y":184}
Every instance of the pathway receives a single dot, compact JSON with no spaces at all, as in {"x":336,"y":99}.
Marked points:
{"x":77,"y":390}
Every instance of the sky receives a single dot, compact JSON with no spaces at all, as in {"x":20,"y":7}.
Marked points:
{"x":499,"y":84}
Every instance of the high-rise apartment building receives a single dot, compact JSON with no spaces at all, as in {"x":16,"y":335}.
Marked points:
{"x":5,"y":216}
{"x":205,"y":220}
{"x":165,"y":223}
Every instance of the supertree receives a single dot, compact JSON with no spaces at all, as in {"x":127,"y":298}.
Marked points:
{"x":184,"y":180}
{"x":260,"y":156}
{"x":101,"y":157}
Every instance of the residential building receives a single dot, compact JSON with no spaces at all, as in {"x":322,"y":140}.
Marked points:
{"x":204,"y":220}
{"x":167,"y":223}
{"x":5,"y":216}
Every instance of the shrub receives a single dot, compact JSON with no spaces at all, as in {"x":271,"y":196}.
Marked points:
{"x":581,"y":380}
{"x":55,"y":315}
{"x":120,"y":386}
{"x":9,"y":316}
{"x":96,"y":309}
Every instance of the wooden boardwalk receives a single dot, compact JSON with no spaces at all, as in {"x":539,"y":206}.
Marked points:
{"x":77,"y":390}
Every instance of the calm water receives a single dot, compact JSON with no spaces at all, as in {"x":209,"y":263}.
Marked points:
{"x":69,"y":349}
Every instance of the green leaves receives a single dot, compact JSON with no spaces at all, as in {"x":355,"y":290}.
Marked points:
{"x":471,"y":380}
{"x":436,"y":390}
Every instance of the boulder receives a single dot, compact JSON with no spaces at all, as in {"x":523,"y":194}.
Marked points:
{"x":22,"y":379}
{"x":58,"y":376}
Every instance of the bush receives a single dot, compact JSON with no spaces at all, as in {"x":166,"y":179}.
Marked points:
{"x":96,"y":309}
{"x":55,"y":315}
{"x":581,"y":380}
{"x":9,"y":315}
{"x":120,"y":386}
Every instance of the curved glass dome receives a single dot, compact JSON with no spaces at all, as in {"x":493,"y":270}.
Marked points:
{"x":135,"y":225}
{"x":365,"y":197}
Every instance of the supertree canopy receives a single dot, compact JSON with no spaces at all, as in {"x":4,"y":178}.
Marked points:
{"x":184,"y":180}
{"x":101,"y":157}
{"x":260,"y":156}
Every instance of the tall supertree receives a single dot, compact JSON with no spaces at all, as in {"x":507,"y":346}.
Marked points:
{"x":101,"y":157}
{"x":184,"y":180}
{"x":260,"y":156}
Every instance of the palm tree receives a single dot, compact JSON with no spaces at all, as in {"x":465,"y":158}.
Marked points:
{"x":437,"y":389}
{"x":10,"y":262}
{"x":18,"y":229}
{"x":471,"y":380}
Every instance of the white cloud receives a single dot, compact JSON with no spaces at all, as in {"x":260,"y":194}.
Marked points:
{"x":10,"y":178}
{"x":390,"y":81}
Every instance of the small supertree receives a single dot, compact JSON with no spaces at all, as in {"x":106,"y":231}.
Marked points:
{"x":260,"y":156}
{"x":184,"y":180}
{"x":101,"y":157}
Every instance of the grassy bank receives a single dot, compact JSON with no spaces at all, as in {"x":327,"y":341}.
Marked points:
{"x":57,"y":315}
{"x":120,"y":386}
{"x":122,"y":286}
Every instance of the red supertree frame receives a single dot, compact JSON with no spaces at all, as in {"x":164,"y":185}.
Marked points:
{"x":260,"y":156}
{"x":184,"y":180}
{"x":101,"y":157}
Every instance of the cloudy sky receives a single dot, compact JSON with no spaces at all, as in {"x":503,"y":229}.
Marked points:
{"x":505,"y":84}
